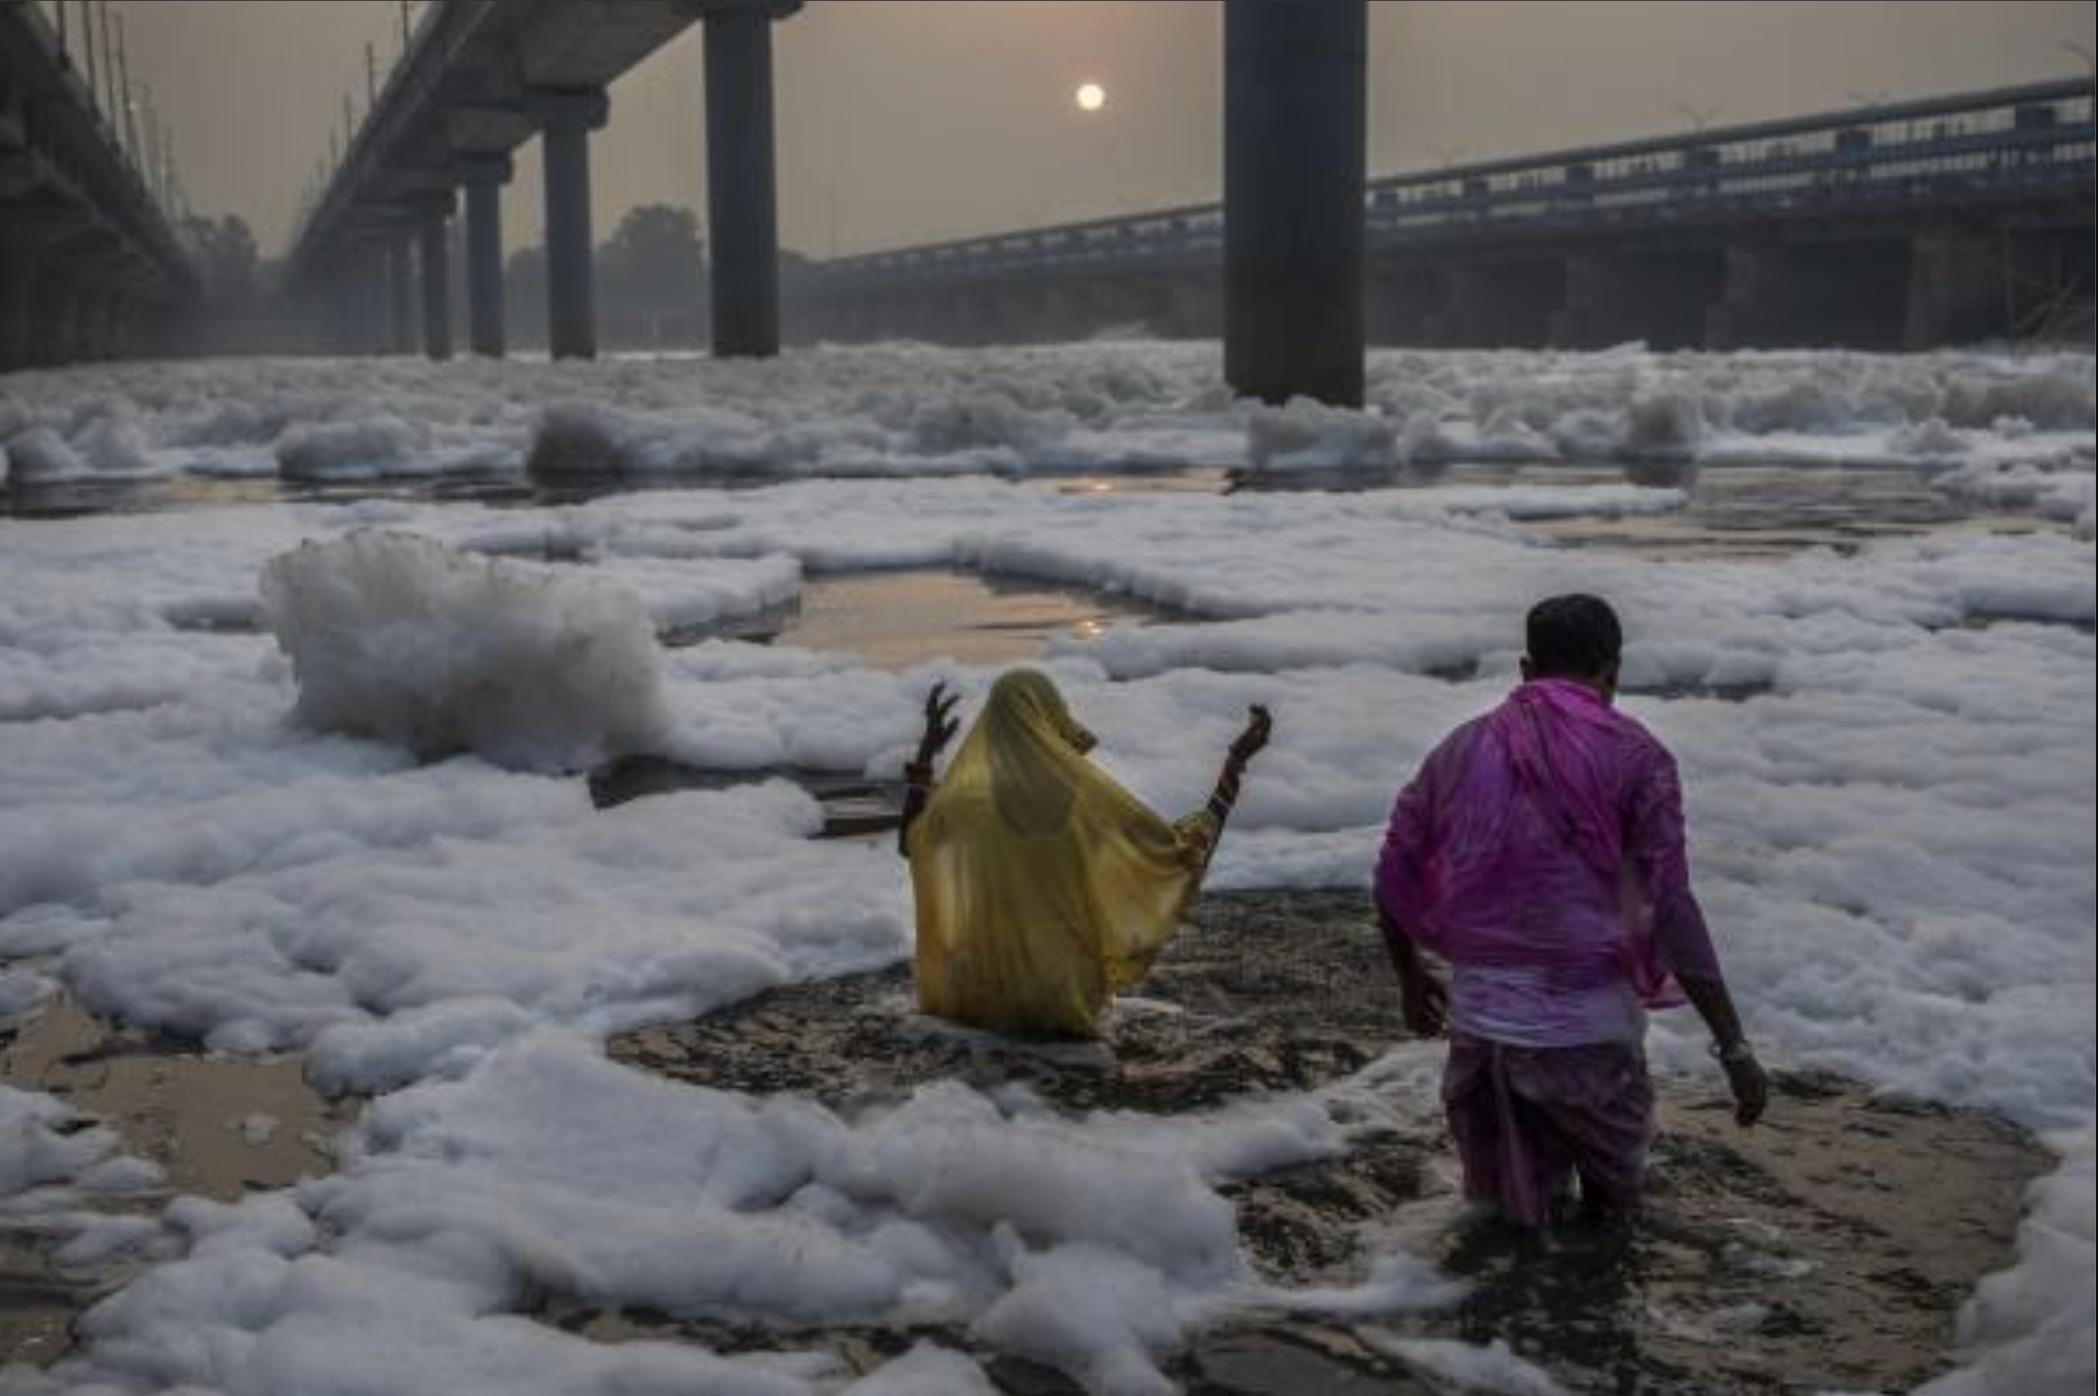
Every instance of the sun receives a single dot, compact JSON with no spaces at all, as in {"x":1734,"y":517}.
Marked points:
{"x":1090,"y":96}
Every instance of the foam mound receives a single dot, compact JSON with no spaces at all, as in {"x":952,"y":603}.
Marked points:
{"x":395,"y":636}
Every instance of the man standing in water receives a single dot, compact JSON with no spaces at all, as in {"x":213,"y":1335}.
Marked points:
{"x":1540,"y":852}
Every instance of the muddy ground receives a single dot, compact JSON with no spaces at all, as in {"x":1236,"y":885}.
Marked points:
{"x":1829,"y":1248}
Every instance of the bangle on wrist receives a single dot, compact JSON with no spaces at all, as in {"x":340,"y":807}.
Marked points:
{"x":1733,"y":1053}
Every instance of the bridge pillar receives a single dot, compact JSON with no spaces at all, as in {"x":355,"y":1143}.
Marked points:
{"x":90,"y":318}
{"x":51,"y":320}
{"x":374,"y":290}
{"x":1956,"y":289}
{"x":1294,"y":148}
{"x":1812,"y":295}
{"x":742,"y":199}
{"x":400,"y":276}
{"x":566,"y":118}
{"x":112,"y":327}
{"x":1662,"y":298}
{"x":1406,"y":302}
{"x":1500,"y":304}
{"x":484,"y":178}
{"x":1194,"y":305}
{"x":433,"y":217}
{"x":18,"y":286}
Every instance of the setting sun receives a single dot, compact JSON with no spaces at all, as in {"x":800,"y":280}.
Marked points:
{"x":1090,"y":96}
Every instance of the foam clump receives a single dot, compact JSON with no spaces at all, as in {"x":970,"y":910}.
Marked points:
{"x":395,"y":636}
{"x":1306,"y":435}
{"x":41,"y":454}
{"x":360,"y":449}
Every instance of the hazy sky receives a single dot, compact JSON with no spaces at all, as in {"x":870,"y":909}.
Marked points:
{"x":907,"y":120}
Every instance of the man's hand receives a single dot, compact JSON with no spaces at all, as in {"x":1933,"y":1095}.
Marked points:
{"x":1746,"y":1078}
{"x":940,"y":723}
{"x":1259,"y":724}
{"x":1424,"y":1003}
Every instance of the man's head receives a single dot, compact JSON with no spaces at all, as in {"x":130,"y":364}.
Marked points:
{"x":1574,"y":637}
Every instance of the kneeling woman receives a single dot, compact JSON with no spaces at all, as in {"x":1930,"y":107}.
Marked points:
{"x":1043,"y":888}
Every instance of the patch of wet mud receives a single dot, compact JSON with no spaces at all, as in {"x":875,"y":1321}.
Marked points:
{"x":1829,"y":1248}
{"x":216,"y":1126}
{"x":853,"y":806}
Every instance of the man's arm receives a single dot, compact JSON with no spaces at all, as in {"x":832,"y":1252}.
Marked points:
{"x":1744,"y":1074}
{"x":1424,"y":1000}
{"x":1660,"y":850}
{"x":1423,"y":997}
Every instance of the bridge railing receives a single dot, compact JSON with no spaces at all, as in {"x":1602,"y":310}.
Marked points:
{"x":1967,"y":146}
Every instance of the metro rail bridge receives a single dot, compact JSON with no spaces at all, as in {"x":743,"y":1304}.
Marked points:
{"x":1900,"y":225}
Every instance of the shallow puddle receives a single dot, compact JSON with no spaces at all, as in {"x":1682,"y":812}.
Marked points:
{"x":1829,"y":1248}
{"x":1772,"y":511}
{"x":897,"y":620}
{"x":217,"y":1126}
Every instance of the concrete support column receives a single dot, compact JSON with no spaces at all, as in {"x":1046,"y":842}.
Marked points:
{"x":90,"y":319}
{"x":1294,"y":147}
{"x":1661,"y":298}
{"x":566,"y":119}
{"x":485,"y":178}
{"x":400,"y":276}
{"x":1812,"y":295}
{"x":18,"y":282}
{"x":1195,"y":305}
{"x":112,"y":330}
{"x":1405,"y":302}
{"x":356,"y":303}
{"x":1956,"y":289}
{"x":1509,"y":304}
{"x":742,"y":201}
{"x":433,"y":219}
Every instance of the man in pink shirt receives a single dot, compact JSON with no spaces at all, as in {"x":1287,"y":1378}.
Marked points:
{"x":1540,"y":853}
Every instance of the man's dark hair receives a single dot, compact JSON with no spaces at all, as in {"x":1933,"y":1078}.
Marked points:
{"x":1573,"y":637}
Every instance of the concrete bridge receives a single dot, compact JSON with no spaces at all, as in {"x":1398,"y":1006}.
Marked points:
{"x":89,"y":266}
{"x":482,"y":77}
{"x":1900,"y":225}
{"x":479,"y":79}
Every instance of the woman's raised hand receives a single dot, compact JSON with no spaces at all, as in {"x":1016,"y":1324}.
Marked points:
{"x":940,"y":722}
{"x":1259,"y":724}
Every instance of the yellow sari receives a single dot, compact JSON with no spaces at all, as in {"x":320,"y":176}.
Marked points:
{"x":1042,"y":886}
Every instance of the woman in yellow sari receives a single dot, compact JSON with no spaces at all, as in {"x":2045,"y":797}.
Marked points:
{"x":1043,"y":887}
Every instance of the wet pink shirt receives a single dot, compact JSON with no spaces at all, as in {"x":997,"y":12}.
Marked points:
{"x":1540,"y":851}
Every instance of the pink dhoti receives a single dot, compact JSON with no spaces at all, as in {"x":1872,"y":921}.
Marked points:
{"x":1529,"y":1120}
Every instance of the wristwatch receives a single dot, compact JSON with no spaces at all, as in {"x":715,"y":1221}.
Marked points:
{"x":1733,"y":1053}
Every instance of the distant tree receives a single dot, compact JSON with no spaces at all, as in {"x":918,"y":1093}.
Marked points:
{"x":652,"y":278}
{"x":227,"y":260}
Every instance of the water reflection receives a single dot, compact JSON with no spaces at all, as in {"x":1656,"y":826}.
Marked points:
{"x":898,"y":620}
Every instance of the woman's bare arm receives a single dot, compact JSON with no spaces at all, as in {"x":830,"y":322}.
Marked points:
{"x":940,"y":725}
